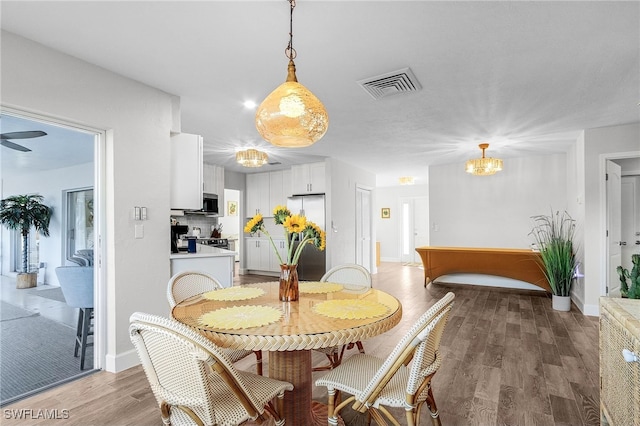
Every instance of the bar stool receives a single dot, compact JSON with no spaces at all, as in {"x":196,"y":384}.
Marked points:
{"x":77,"y":287}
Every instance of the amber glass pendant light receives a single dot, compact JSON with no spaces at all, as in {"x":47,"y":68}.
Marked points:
{"x":291,"y":116}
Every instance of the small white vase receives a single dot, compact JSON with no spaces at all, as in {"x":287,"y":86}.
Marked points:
{"x":561,"y":303}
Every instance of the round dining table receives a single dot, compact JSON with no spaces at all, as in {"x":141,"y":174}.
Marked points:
{"x":252,"y":317}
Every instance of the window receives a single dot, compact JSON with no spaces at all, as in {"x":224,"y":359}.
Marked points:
{"x":79,"y":223}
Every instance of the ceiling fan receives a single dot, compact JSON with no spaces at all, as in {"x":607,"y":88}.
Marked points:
{"x":4,"y":139}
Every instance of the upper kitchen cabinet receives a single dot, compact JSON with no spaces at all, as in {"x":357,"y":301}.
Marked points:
{"x":279,"y":188}
{"x":308,"y":179}
{"x":258,"y":194}
{"x":267,"y":190}
{"x":186,"y":172}
{"x":213,"y":177}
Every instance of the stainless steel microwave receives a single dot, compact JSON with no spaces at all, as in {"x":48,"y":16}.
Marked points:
{"x":209,"y":203}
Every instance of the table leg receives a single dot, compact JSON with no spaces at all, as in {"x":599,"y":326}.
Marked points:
{"x":295,"y":367}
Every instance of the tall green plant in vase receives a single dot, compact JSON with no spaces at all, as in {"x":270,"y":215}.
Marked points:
{"x":22,"y":212}
{"x":554,"y":236}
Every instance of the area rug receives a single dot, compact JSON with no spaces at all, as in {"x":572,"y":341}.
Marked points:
{"x":35,"y":352}
{"x":10,"y":312}
{"x":48,"y":292}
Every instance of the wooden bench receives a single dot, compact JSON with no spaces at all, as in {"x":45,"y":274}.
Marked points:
{"x":518,"y":264}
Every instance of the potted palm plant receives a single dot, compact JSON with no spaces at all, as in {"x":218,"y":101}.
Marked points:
{"x":554,"y":235}
{"x":22,"y":212}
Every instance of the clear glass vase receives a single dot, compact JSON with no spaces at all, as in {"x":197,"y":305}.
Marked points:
{"x":289,"y":283}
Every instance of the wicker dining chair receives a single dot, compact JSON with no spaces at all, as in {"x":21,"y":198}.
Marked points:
{"x":401,"y":380}
{"x":352,"y":277}
{"x":194,"y":382}
{"x":190,"y":283}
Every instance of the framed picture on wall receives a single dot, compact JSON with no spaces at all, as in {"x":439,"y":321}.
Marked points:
{"x":232,"y":208}
{"x":386,"y":212}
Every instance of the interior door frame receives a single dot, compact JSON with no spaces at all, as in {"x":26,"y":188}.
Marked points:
{"x":359,"y":212}
{"x":101,"y":139}
{"x":603,"y":213}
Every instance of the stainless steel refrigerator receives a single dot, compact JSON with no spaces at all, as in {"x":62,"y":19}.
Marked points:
{"x":312,"y":264}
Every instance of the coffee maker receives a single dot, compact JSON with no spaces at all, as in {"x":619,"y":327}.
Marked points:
{"x":176,"y":231}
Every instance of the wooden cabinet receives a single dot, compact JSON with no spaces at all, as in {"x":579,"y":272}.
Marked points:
{"x":213,"y":183}
{"x":308,"y":179}
{"x":265,"y":191}
{"x":619,"y":379}
{"x":186,"y":172}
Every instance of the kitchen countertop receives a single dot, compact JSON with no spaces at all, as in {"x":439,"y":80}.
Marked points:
{"x":203,"y":251}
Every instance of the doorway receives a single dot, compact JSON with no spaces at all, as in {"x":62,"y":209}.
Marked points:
{"x":65,"y":156}
{"x":622,"y":217}
{"x":363,"y":228}
{"x":415,"y":227}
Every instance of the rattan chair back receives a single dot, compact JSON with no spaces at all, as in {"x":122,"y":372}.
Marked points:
{"x":420,"y":345}
{"x":189,"y":283}
{"x":348,"y":274}
{"x":193,"y":380}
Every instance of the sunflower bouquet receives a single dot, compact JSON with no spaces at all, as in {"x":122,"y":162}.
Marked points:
{"x":296,"y":228}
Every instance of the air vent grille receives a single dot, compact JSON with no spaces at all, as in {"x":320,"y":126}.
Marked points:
{"x":391,"y":83}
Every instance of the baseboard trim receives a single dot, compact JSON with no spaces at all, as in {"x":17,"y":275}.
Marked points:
{"x":121,"y":362}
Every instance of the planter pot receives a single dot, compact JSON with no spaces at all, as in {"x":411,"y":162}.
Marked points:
{"x":27,"y":280}
{"x":561,"y":303}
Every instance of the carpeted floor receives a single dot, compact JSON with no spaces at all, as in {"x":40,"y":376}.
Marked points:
{"x":31,"y":353}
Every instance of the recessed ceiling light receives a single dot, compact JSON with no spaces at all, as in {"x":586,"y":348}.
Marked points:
{"x":250,"y":104}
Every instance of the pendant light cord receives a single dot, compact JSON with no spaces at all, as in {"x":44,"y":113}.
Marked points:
{"x":290,"y":52}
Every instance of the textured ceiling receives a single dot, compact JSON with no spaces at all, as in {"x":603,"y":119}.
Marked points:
{"x":524,"y":76}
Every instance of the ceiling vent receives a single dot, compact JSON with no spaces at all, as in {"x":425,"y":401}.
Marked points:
{"x":391,"y":83}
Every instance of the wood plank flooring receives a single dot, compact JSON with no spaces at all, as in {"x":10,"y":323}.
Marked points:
{"x":509,"y":359}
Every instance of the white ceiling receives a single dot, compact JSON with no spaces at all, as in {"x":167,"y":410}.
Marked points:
{"x":524,"y":76}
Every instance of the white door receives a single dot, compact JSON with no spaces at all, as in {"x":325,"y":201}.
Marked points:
{"x":363,"y":228}
{"x":414,"y":227}
{"x":614,"y":221}
{"x":630,"y":235}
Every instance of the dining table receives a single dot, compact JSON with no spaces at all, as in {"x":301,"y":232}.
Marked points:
{"x":252,"y":317}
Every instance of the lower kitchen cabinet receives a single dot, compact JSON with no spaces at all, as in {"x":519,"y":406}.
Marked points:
{"x":261,"y":256}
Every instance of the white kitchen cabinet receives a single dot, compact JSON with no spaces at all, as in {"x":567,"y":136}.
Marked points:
{"x":274,"y":262}
{"x":213,"y":183}
{"x":258,"y":253}
{"x":258,"y":194}
{"x":308,"y":179}
{"x":279,"y":187}
{"x":186,"y":172}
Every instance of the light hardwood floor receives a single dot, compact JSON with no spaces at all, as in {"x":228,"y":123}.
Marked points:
{"x":509,"y":359}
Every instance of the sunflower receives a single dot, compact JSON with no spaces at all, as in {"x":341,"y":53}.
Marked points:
{"x":294,"y":224}
{"x":255,"y":224}
{"x":280,"y":214}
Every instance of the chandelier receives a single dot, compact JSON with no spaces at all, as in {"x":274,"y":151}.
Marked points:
{"x":291,"y":116}
{"x":484,"y":166}
{"x":251,"y":158}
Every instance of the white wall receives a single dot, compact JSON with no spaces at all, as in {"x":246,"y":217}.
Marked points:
{"x":495,"y":211}
{"x":598,"y":144}
{"x":389,"y":231}
{"x":50,"y":185}
{"x":138,"y":122}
